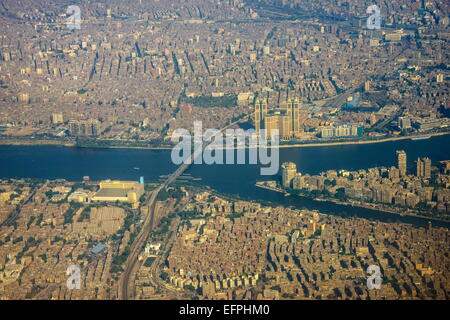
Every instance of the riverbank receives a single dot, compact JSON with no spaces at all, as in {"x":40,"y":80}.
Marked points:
{"x":72,"y":164}
{"x":32,"y":142}
{"x":353,"y":203}
{"x":324,"y":144}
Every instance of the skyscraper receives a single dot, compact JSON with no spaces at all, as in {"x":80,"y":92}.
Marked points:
{"x":294,"y":114}
{"x":427,"y":167}
{"x":401,"y":160}
{"x":423,"y":168}
{"x":260,"y":114}
{"x":286,"y":119}
{"x":419,"y":167}
{"x":288,"y":172}
{"x":404,"y":123}
{"x":271,"y":123}
{"x":279,"y":121}
{"x":90,"y":127}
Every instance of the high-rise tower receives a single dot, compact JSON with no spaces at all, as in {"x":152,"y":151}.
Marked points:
{"x":423,"y":168}
{"x":288,"y":172}
{"x":401,"y":160}
{"x":285,"y":119}
{"x":295,"y":116}
{"x":260,"y":114}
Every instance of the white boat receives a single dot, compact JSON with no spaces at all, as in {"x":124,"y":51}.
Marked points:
{"x":421,"y":138}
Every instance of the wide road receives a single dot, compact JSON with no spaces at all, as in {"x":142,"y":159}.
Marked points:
{"x":136,"y":247}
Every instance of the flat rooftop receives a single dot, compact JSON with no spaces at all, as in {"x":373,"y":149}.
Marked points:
{"x":112,"y":192}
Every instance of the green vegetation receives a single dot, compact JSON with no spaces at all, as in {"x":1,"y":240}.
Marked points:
{"x":13,"y":196}
{"x":317,"y":233}
{"x":68,"y":215}
{"x":187,"y":215}
{"x":313,"y":194}
{"x":148,"y":262}
{"x":58,"y":239}
{"x":49,"y":194}
{"x":115,"y":269}
{"x":235,"y":215}
{"x":236,"y":118}
{"x":118,"y":260}
{"x":30,"y":221}
{"x":98,"y":143}
{"x":126,"y":225}
{"x":340,"y":194}
{"x":85,"y":215}
{"x":34,"y":290}
{"x":277,"y":288}
{"x":19,"y":239}
{"x":162,"y":195}
{"x":43,"y":257}
{"x":165,"y":194}
{"x":225,"y":101}
{"x":39,"y":219}
{"x":32,"y":242}
{"x":164,"y":225}
{"x":164,"y":276}
{"x":190,"y":287}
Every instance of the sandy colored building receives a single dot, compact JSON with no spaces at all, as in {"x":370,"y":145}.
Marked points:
{"x":125,"y":191}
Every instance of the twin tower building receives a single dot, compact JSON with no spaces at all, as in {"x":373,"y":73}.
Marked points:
{"x":285,"y":119}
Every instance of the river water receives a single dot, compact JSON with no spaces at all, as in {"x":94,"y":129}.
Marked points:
{"x":72,"y":163}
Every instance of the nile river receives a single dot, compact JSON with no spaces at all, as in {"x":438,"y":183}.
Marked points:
{"x":72,"y":163}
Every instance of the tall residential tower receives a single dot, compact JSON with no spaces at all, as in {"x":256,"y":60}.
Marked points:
{"x":288,"y":173}
{"x":401,"y":160}
{"x":285,"y":119}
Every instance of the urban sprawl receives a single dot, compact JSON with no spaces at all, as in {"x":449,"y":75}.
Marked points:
{"x":130,"y":73}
